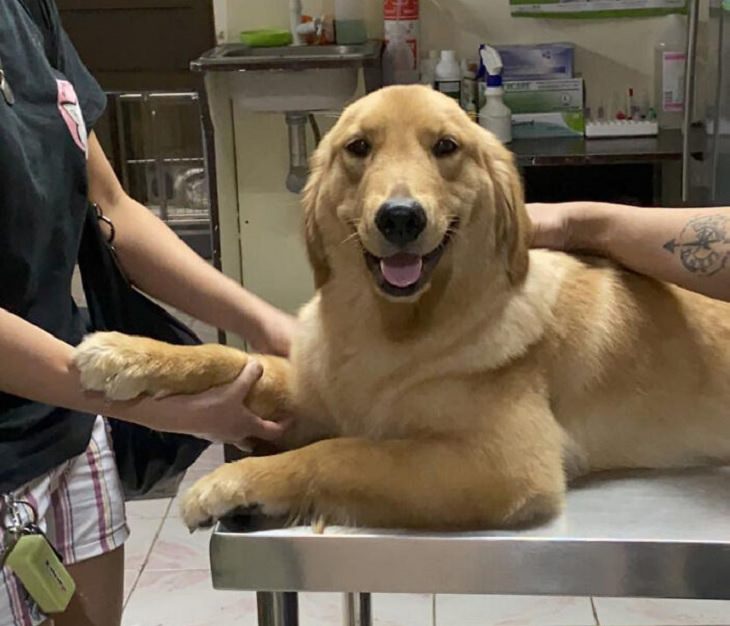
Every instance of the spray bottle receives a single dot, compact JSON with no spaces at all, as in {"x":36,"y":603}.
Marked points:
{"x":495,"y":115}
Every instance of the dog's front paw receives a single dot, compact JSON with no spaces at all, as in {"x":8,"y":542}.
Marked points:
{"x":240,"y":485}
{"x":113,"y":363}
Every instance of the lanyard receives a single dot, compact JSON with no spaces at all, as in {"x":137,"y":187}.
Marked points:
{"x":5,"y":89}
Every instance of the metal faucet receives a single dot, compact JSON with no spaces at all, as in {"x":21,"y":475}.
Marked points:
{"x":295,"y":19}
{"x":296,"y":123}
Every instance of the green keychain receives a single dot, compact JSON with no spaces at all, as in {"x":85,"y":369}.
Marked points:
{"x":32,"y":558}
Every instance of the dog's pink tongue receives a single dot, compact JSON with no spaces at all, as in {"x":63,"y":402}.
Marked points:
{"x":402,"y":270}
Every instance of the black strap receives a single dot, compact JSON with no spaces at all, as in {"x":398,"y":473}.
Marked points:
{"x":42,"y":13}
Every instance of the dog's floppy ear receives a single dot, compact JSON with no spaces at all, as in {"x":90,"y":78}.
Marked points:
{"x":512,"y":224}
{"x":311,"y":197}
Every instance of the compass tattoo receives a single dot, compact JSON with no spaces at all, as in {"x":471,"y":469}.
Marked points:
{"x":703,"y":245}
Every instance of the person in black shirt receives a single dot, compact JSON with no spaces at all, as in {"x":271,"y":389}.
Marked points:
{"x":53,"y":445}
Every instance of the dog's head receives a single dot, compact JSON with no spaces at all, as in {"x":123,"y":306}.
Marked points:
{"x":419,"y":192}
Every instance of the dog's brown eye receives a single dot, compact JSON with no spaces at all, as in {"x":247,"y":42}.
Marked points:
{"x":359,"y":148}
{"x":444,"y":147}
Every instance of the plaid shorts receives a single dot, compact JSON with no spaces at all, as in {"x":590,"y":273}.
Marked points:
{"x":80,"y":508}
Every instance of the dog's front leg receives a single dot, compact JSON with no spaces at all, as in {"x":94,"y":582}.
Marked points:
{"x":124,"y":367}
{"x":417,"y":483}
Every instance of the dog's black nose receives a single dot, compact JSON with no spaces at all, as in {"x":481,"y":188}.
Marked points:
{"x":401,"y":220}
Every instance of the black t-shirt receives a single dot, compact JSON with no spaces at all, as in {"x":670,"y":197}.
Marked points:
{"x":43,"y":201}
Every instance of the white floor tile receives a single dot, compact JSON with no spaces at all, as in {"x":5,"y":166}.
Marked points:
{"x":130,"y":579}
{"x":458,"y":610}
{"x":143,"y":534}
{"x":177,"y":549}
{"x":148,"y":509}
{"x":320,"y":609}
{"x":402,"y":609}
{"x":187,"y":598}
{"x":325,"y":609}
{"x":653,"y":612}
{"x":174,"y":511}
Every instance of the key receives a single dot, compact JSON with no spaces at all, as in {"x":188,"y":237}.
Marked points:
{"x":36,"y":563}
{"x":10,"y":540}
{"x":11,"y":523}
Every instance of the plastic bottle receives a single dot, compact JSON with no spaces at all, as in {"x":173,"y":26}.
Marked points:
{"x":400,"y":57}
{"x":495,"y":115}
{"x":468,"y":84}
{"x":670,"y":60}
{"x":350,"y":22}
{"x":471,"y":111}
{"x":428,"y":68}
{"x":448,"y":75}
{"x":398,"y":61}
{"x":644,"y":104}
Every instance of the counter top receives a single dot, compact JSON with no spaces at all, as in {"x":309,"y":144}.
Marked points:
{"x":666,"y":146}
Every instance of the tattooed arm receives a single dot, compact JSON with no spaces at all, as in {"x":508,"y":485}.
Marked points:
{"x":687,"y":247}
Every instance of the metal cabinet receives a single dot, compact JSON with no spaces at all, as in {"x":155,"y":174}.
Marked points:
{"x":156,"y":146}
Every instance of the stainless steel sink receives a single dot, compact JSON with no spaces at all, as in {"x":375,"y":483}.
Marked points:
{"x":232,"y":57}
{"x":293,"y":78}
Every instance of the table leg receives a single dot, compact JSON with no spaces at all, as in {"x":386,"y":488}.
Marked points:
{"x":277,"y":608}
{"x":357,"y":610}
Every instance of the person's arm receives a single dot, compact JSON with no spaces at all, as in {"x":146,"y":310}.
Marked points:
{"x":163,"y":266}
{"x":687,"y":247}
{"x":37,"y":366}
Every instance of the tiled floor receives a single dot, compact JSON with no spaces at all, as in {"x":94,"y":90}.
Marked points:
{"x":168,"y":584}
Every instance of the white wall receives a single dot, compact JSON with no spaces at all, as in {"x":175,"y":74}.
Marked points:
{"x":611,"y":54}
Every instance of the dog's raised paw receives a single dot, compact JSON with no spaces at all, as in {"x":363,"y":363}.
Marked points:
{"x":113,"y":364}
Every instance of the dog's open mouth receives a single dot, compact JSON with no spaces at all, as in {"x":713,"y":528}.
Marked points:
{"x":405,"y":274}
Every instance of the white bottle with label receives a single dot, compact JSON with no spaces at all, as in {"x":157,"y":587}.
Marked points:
{"x":428,"y":68}
{"x":669,"y":68}
{"x":448,"y":75}
{"x":495,"y":115}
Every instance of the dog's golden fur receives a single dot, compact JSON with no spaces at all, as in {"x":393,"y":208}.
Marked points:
{"x":473,"y":402}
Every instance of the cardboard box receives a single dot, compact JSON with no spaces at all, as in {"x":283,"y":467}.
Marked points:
{"x":546,"y":125}
{"x":537,"y":61}
{"x":544,"y":96}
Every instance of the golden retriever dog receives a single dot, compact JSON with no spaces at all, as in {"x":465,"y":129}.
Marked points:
{"x":446,"y":377}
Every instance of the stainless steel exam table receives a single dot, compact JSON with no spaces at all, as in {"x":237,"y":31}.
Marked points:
{"x":637,"y":534}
